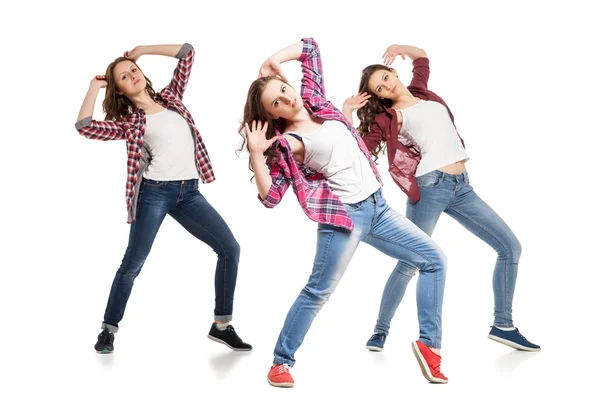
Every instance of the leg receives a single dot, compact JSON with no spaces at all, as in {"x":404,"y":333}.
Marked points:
{"x":335,"y":248}
{"x":399,"y":238}
{"x":153,"y":205}
{"x":199,"y":218}
{"x":436,"y":196}
{"x":479,"y":218}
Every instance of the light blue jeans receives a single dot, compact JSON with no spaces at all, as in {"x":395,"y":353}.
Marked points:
{"x":452,"y":194}
{"x":377,"y":224}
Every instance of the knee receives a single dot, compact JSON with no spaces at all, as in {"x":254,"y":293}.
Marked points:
{"x":317,"y":296}
{"x":511,"y":250}
{"x":232,"y":249}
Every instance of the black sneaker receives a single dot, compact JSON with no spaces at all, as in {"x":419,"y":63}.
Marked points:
{"x":104,"y":345}
{"x":228,"y":337}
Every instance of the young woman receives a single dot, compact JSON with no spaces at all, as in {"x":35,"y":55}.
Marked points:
{"x":302,"y":140}
{"x":427,"y":160}
{"x":166,"y":156}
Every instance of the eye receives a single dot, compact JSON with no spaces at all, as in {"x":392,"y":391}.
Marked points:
{"x":134,"y":70}
{"x":123,"y":77}
{"x":385,"y":78}
{"x":283,"y":89}
{"x":275,"y":103}
{"x":378,"y":89}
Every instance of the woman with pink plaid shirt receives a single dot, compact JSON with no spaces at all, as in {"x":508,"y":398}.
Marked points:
{"x":166,"y":158}
{"x":302,"y":140}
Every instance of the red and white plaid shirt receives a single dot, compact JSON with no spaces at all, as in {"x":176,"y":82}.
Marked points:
{"x":314,"y":194}
{"x":133,"y":127}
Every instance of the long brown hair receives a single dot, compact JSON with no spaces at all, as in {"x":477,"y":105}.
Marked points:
{"x":255,"y":111}
{"x":374,"y":106}
{"x":115,"y":105}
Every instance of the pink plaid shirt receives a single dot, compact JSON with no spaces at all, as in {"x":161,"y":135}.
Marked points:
{"x":314,"y":194}
{"x":133,"y":127}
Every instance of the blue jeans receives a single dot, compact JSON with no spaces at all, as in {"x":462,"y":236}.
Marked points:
{"x":452,"y":194}
{"x":182,"y":201}
{"x":377,"y":224}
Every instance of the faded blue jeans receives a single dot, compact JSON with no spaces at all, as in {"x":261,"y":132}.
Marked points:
{"x":377,"y":224}
{"x":182,"y":201}
{"x":453,"y":194}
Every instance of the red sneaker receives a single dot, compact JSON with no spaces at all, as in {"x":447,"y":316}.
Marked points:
{"x":279,"y":375}
{"x":429,"y":362}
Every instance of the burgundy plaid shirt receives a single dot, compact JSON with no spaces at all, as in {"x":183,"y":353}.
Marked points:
{"x":314,"y":194}
{"x":133,"y":127}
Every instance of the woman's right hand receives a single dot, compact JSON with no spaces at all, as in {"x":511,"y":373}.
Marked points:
{"x":391,"y":52}
{"x":257,"y":139}
{"x":99,"y":82}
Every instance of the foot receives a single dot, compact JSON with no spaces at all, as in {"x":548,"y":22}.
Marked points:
{"x":104,"y":345}
{"x":279,"y":375}
{"x":512,"y":338}
{"x":430,"y":362}
{"x":376,"y":342}
{"x":228,"y":337}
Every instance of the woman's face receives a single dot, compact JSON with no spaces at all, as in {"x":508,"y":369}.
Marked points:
{"x":281,"y":100}
{"x":385,"y":84}
{"x":129,"y":78}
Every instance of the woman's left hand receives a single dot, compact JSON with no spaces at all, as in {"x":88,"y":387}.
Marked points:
{"x":134,"y":54}
{"x":271,"y":67}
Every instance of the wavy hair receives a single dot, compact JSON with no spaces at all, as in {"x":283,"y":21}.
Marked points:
{"x":374,"y":106}
{"x":255,"y":111}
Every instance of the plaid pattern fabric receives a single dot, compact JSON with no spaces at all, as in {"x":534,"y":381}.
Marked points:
{"x":314,"y":194}
{"x":133,"y":127}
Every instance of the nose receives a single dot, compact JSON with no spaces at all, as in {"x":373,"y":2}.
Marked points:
{"x":287,"y":100}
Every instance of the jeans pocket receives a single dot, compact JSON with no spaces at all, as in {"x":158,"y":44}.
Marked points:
{"x":429,"y":180}
{"x":353,"y":207}
{"x":150,"y":182}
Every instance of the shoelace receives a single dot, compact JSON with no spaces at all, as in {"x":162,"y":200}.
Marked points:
{"x":105,"y":336}
{"x":379,"y":336}
{"x":282,"y":369}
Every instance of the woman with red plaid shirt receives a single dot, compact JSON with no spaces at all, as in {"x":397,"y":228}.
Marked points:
{"x":426,"y":158}
{"x":310,"y":145}
{"x":166,"y":158}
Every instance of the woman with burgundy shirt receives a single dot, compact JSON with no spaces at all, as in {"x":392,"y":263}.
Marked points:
{"x":427,"y":160}
{"x":166,"y":158}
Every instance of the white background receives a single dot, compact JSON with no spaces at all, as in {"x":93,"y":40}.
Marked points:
{"x":522,"y":81}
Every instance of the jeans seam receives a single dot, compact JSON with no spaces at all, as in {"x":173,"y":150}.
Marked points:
{"x":503,"y":248}
{"x":225,"y":257}
{"x":285,"y":334}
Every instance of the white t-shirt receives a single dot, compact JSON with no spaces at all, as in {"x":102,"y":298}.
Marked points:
{"x":332,"y":151}
{"x":428,"y":125}
{"x":170,"y":142}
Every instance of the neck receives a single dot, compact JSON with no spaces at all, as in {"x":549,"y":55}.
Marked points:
{"x":404,"y":99}
{"x":302,"y":117}
{"x":142,"y":100}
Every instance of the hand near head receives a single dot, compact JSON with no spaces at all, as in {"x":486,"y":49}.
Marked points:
{"x":391,"y":52}
{"x":99,"y":81}
{"x":271,"y":67}
{"x":356,"y":101}
{"x":134,"y":54}
{"x":257,"y":139}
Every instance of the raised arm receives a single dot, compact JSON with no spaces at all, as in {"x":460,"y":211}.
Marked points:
{"x":184,"y":52}
{"x":307,"y":52}
{"x":417,"y":56}
{"x":99,"y":130}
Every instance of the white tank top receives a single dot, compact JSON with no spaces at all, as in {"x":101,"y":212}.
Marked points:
{"x":428,"y":125}
{"x":170,"y":142}
{"x":332,"y":151}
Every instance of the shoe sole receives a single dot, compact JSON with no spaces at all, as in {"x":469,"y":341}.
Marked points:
{"x":214,"y":339}
{"x":512,"y":344}
{"x":282,"y":384}
{"x":374,"y":348}
{"x":424,"y":367}
{"x":104,"y":351}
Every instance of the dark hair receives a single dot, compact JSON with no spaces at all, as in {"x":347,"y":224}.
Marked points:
{"x":374,"y":106}
{"x":115,"y":105}
{"x":255,"y":111}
